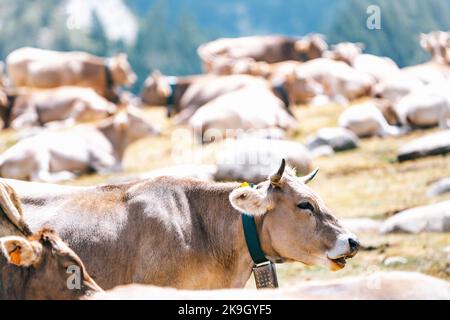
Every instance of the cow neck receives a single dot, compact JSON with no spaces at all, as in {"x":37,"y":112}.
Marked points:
{"x":223,"y":228}
{"x":117,"y":138}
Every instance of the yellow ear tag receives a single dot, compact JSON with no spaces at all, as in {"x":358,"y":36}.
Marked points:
{"x":15,"y":256}
{"x":244,"y":184}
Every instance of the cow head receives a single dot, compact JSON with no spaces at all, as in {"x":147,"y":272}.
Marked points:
{"x":436,"y":43}
{"x":131,"y":124}
{"x":311,"y":46}
{"x":294,"y":223}
{"x":156,"y":89}
{"x":388,"y":111}
{"x":346,"y":51}
{"x":301,"y":88}
{"x":50,"y":269}
{"x":121,"y":70}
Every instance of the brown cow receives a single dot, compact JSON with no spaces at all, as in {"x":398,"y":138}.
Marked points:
{"x":187,"y":233}
{"x":63,"y":104}
{"x":39,"y":68}
{"x":216,"y":55}
{"x":36,"y":266}
{"x":54,"y":155}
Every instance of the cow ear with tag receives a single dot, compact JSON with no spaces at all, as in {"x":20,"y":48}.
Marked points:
{"x":250,"y":200}
{"x":20,"y":251}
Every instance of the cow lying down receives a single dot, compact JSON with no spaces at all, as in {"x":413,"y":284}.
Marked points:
{"x":366,"y":120}
{"x":70,"y":104}
{"x":253,"y":107}
{"x":396,"y":285}
{"x":54,"y":155}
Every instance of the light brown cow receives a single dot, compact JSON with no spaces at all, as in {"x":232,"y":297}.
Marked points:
{"x":39,"y":68}
{"x":63,"y":104}
{"x":351,"y":53}
{"x":397,"y":285}
{"x":250,"y":108}
{"x":36,"y":266}
{"x":340,"y":82}
{"x":271,"y":49}
{"x":140,"y":232}
{"x":436,"y":43}
{"x":55,"y":155}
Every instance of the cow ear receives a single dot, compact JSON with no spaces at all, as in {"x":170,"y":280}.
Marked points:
{"x":21,"y":252}
{"x":249,"y":200}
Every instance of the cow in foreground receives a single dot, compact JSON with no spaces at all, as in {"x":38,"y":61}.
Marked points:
{"x":35,"y":266}
{"x":39,"y":68}
{"x":187,"y":233}
{"x":55,"y":155}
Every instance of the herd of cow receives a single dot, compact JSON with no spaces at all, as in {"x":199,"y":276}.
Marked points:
{"x":185,"y":233}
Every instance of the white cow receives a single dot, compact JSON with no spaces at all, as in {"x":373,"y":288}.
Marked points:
{"x":340,"y":82}
{"x":54,"y":155}
{"x":366,"y":120}
{"x":427,"y":106}
{"x":250,"y":108}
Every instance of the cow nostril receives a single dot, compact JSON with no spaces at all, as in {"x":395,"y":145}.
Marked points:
{"x":354,"y":244}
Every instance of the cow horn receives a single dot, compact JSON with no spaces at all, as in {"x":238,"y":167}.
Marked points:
{"x":275,"y":178}
{"x":309,"y":176}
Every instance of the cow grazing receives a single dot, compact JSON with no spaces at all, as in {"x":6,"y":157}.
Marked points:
{"x":35,"y":266}
{"x":63,"y":104}
{"x":57,"y":154}
{"x":270,"y":49}
{"x":39,"y":68}
{"x":139,"y":232}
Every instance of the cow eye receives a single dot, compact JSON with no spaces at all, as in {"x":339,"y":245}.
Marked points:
{"x":306,"y":205}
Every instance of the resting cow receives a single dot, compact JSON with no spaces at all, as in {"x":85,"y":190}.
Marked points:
{"x":64,"y":104}
{"x":397,"y":285}
{"x":351,"y":53}
{"x":39,"y":68}
{"x":366,"y":120}
{"x":187,"y":233}
{"x":340,"y":82}
{"x":270,"y":49}
{"x":57,"y":154}
{"x":36,"y":266}
{"x":250,"y":108}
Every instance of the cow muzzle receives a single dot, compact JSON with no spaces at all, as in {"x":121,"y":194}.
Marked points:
{"x":346,"y":247}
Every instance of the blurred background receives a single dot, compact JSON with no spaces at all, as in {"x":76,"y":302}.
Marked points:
{"x":164,"y":35}
{"x":366,"y":185}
